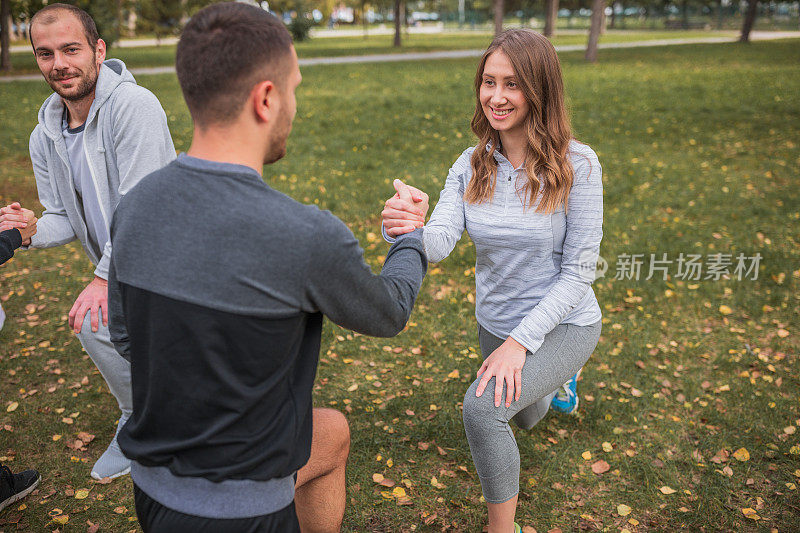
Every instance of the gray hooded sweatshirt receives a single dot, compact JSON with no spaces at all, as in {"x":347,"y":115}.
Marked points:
{"x":125,"y":138}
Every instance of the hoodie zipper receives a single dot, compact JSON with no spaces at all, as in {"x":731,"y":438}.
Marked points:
{"x":96,"y":188}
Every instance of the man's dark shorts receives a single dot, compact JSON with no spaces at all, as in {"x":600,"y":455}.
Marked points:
{"x":155,"y":518}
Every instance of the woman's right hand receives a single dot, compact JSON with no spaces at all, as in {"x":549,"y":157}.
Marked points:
{"x":405,"y":211}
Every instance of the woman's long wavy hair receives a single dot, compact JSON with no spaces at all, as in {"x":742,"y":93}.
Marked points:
{"x":547,"y":127}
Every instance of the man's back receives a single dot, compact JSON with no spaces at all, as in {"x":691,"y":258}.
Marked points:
{"x":222,"y":303}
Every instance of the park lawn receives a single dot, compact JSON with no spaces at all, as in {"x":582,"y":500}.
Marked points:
{"x":157,"y":56}
{"x":691,"y":397}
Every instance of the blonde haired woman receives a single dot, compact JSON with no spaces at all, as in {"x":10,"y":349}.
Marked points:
{"x":531,"y":199}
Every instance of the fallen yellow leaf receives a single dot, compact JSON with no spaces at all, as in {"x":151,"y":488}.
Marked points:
{"x":352,"y":387}
{"x":61,"y":519}
{"x":587,"y":455}
{"x":742,"y":455}
{"x":12,"y":406}
{"x":789,"y":430}
{"x":607,"y":447}
{"x":377,"y":478}
{"x":81,"y":494}
{"x":667,"y":490}
{"x":399,"y":492}
{"x":725,"y":310}
{"x":435,"y":482}
{"x":750,"y":513}
{"x":623,"y":510}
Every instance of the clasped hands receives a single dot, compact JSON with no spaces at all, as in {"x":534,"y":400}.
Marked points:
{"x":404,"y":212}
{"x":94,"y":298}
{"x":15,"y":216}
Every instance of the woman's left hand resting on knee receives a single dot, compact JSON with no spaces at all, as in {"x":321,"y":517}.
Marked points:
{"x":506,"y":364}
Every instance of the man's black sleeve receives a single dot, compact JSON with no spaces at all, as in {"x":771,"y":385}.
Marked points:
{"x":10,"y":240}
{"x":116,"y":315}
{"x":342,"y":286}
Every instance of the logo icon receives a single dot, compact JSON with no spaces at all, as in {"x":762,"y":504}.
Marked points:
{"x":591,"y":265}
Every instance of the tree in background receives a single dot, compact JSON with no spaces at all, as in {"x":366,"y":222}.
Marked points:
{"x":5,"y":35}
{"x":161,"y":17}
{"x":550,"y":17}
{"x":499,"y":11}
{"x":596,"y":27}
{"x":399,"y":16}
{"x":749,"y":20}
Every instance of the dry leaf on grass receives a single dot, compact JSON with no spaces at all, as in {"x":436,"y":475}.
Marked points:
{"x":600,"y":467}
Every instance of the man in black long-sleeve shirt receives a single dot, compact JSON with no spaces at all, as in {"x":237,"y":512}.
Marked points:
{"x":19,"y":228}
{"x":220,"y":308}
{"x":10,"y":240}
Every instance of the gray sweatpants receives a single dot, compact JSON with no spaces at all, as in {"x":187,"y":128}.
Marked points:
{"x":112,"y":366}
{"x":494,"y":450}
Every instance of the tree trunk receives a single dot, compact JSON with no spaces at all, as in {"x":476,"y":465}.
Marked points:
{"x":5,"y":35}
{"x":594,"y":30}
{"x":364,"y":18}
{"x":749,"y":19}
{"x":603,"y":21}
{"x":685,"y":14}
{"x":131,"y":23}
{"x":398,"y":25}
{"x":551,"y":15}
{"x":613,"y":16}
{"x":622,"y":15}
{"x":499,"y":8}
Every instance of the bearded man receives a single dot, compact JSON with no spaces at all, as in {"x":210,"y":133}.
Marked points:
{"x":97,"y":136}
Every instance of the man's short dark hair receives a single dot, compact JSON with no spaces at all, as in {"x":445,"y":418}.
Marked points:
{"x":48,"y":15}
{"x":223,"y":51}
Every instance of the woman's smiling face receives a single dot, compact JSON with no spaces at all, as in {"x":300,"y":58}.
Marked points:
{"x":501,"y":96}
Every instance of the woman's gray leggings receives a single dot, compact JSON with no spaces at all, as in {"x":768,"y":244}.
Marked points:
{"x":494,"y":450}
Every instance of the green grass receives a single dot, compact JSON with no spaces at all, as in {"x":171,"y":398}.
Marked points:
{"x":699,"y":146}
{"x":155,"y":56}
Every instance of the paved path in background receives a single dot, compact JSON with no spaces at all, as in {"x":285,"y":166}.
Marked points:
{"x":357,"y":31}
{"x":457,"y":54}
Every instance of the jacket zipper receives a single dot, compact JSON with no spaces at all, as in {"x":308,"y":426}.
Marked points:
{"x":96,"y":188}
